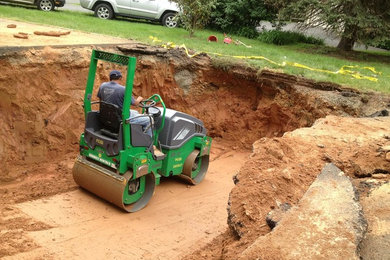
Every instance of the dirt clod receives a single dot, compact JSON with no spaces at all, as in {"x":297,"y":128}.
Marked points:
{"x":52,"y":33}
{"x":21,"y":36}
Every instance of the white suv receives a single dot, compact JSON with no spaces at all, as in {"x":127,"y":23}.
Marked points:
{"x":158,"y":10}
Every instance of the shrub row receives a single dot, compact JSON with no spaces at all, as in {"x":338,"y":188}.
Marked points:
{"x":285,"y":37}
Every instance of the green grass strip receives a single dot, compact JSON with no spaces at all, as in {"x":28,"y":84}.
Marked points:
{"x":318,"y":57}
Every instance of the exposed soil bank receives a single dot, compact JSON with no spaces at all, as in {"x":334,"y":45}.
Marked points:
{"x":41,"y":92}
{"x":326,"y":224}
{"x":280,"y":171}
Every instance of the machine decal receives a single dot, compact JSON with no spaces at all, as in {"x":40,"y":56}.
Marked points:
{"x":182,"y":133}
{"x":176,"y":154}
{"x":177,"y":165}
{"x":102,"y":160}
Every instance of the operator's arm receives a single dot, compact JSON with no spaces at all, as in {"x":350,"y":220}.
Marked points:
{"x":99,"y":94}
{"x":135,"y":102}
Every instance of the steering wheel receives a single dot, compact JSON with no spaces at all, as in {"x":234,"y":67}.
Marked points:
{"x":147,"y":103}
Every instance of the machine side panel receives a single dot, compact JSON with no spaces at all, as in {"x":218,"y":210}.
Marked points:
{"x":179,"y":128}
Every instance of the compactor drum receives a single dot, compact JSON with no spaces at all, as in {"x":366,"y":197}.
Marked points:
{"x":119,"y":162}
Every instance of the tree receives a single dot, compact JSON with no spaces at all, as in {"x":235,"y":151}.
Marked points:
{"x":195,"y":13}
{"x":241,"y":17}
{"x":353,"y":20}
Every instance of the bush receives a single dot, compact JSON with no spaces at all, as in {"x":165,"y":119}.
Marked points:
{"x":248,"y":32}
{"x":195,"y":13}
{"x":240,"y":17}
{"x":385,"y":44}
{"x":278,"y":37}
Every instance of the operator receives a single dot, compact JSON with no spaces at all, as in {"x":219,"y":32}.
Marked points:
{"x":113,"y":92}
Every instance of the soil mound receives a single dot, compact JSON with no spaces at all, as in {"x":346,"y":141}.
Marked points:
{"x":281,"y":169}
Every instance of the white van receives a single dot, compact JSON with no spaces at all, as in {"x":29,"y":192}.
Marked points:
{"x":163,"y":11}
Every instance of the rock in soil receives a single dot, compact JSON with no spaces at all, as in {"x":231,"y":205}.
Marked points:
{"x":276,"y":215}
{"x":327,"y":224}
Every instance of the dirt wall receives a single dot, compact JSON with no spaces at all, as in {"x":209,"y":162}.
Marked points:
{"x":41,"y":118}
{"x":41,"y":93}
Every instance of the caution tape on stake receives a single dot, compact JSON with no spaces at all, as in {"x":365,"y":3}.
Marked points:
{"x":344,"y":70}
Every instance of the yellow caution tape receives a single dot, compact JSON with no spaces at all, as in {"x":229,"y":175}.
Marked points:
{"x":154,"y":39}
{"x":373,"y":70}
{"x":356,"y":74}
{"x":344,"y":70}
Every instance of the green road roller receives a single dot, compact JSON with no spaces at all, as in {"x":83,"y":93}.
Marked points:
{"x":119,"y":161}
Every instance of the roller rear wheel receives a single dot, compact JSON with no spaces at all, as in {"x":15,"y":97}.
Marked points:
{"x":195,"y":167}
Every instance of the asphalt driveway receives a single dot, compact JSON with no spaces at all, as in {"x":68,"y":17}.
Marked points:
{"x":74,"y":5}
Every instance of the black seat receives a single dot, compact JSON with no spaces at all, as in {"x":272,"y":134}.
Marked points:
{"x":110,"y":117}
{"x":109,"y":128}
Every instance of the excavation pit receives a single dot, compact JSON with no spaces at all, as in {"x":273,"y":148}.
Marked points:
{"x":246,"y":111}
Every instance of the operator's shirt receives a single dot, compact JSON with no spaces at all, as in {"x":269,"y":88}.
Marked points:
{"x":114,"y":93}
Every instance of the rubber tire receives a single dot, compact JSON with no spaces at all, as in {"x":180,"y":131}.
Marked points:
{"x":45,"y":5}
{"x":106,"y":11}
{"x":168,"y":20}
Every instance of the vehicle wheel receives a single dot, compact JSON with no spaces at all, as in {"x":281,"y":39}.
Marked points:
{"x":138,"y":192}
{"x":45,"y":5}
{"x":169,"y":20}
{"x":195,"y":167}
{"x":104,"y":11}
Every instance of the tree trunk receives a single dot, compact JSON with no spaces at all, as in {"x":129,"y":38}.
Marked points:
{"x":348,"y":38}
{"x":192,"y":31}
{"x":193,"y":26}
{"x":346,"y":44}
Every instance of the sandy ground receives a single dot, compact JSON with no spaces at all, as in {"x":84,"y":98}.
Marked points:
{"x":177,"y":219}
{"x":75,"y":37}
{"x":44,"y":215}
{"x":76,"y":224}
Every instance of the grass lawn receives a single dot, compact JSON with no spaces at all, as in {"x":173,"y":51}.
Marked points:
{"x":317,"y":57}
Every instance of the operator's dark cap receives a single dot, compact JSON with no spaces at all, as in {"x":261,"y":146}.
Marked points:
{"x":115,"y":74}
